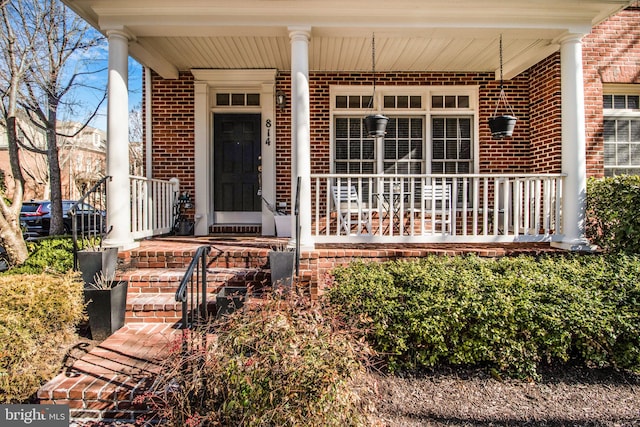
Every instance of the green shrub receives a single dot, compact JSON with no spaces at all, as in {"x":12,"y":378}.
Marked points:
{"x":613,"y":213}
{"x":282,"y":363}
{"x":512,"y":314}
{"x":38,"y":315}
{"x":48,"y":255}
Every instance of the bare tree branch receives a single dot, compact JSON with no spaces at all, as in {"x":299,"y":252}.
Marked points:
{"x":46,"y":72}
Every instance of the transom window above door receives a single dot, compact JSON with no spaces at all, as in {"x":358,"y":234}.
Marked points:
{"x":237,"y":99}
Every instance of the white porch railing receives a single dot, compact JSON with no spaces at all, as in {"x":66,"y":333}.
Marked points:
{"x":152,"y":202}
{"x":436,"y":208}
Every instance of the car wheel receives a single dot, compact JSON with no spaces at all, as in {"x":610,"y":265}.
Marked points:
{"x":4,"y":262}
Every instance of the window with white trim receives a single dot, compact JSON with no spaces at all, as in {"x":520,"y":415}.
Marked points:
{"x":621,"y":130}
{"x":451,"y":142}
{"x":430,"y":130}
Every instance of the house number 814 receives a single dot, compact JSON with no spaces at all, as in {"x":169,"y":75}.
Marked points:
{"x":268,"y":125}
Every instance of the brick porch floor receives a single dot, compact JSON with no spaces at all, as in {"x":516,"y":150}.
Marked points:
{"x":102,"y":385}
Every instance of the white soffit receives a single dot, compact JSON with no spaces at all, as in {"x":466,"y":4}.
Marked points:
{"x":411,"y":35}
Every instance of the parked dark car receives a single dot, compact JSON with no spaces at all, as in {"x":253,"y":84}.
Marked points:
{"x":36,"y":217}
{"x":4,"y":259}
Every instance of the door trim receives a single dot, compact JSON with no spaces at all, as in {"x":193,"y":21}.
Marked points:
{"x":207,"y":83}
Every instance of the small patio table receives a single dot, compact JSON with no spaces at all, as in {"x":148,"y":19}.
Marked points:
{"x":391,"y":207}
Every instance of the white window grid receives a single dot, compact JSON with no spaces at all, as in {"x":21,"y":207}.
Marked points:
{"x":350,"y":104}
{"x":621,"y":132}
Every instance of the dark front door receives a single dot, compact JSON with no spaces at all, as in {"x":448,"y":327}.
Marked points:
{"x":236,"y":160}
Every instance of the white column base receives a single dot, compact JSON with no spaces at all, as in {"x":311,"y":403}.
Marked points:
{"x":202,"y":224}
{"x":303,"y":247}
{"x":122,"y":246}
{"x":576,"y":245}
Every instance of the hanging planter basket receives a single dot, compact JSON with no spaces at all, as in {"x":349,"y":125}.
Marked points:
{"x":376,"y":125}
{"x":502,"y":126}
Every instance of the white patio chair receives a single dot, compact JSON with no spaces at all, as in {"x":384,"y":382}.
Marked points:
{"x":438,"y":207}
{"x":350,"y":211}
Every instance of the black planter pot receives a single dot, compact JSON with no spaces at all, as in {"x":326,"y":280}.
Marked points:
{"x":184,"y":228}
{"x":91,"y":263}
{"x":282,"y":264}
{"x":502,"y":126}
{"x":229,"y":299}
{"x":106,"y":309}
{"x":376,"y":125}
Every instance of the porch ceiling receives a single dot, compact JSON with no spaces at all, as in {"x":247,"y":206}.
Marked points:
{"x":412,"y":35}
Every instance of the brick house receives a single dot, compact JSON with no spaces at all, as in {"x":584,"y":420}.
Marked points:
{"x":241,"y":98}
{"x":82,"y":160}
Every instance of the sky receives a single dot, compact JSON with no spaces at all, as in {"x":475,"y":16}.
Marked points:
{"x":91,"y":64}
{"x":135,"y":93}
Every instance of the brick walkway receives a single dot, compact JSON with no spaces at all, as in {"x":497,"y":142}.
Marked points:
{"x":103,"y":383}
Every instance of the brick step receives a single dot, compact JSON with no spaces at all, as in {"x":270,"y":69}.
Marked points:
{"x":153,"y":308}
{"x":104,"y":383}
{"x":179,"y":255}
{"x":165,"y":280}
{"x":163,"y":308}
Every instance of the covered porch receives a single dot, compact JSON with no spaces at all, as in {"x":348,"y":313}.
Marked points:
{"x":271,"y":49}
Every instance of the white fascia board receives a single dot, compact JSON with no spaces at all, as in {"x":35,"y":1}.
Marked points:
{"x":233,"y":78}
{"x":155,"y":17}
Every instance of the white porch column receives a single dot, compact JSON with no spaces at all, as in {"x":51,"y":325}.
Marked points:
{"x":574,"y":162}
{"x":118,"y":188}
{"x":300,"y":132}
{"x":202,"y":161}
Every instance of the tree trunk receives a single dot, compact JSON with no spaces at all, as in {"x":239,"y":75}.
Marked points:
{"x":10,"y":231}
{"x":55,"y":182}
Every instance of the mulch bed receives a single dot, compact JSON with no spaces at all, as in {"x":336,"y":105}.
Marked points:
{"x":571,"y":396}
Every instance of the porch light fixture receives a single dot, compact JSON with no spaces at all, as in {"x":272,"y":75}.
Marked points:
{"x":281,"y":100}
{"x":502,"y":126}
{"x":375,"y":124}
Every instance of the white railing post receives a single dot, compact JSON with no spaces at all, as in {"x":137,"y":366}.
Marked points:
{"x":152,"y":206}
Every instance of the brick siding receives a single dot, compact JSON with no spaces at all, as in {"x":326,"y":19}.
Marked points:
{"x":506,"y":156}
{"x":546,"y":109}
{"x":611,"y":54}
{"x":173,"y":130}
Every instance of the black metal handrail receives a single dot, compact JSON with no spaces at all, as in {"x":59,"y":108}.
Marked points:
{"x":192,"y":291}
{"x":296,"y":212}
{"x":89,"y":218}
